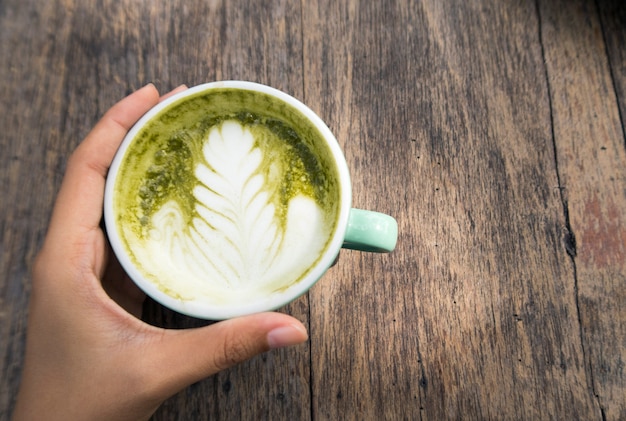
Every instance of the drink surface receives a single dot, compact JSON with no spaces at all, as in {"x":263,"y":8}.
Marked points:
{"x":226,"y":196}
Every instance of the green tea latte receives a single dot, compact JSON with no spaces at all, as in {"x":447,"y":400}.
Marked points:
{"x":225,"y":195}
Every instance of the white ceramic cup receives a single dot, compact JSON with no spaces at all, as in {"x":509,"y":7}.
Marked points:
{"x":355,"y":229}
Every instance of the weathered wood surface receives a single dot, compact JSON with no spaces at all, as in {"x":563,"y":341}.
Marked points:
{"x":492,"y":130}
{"x":589,"y":138}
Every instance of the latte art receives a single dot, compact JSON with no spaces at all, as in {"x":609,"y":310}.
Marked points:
{"x":237,"y":243}
{"x":226,"y":197}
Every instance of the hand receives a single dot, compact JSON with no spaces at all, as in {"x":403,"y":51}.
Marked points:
{"x":87,"y":357}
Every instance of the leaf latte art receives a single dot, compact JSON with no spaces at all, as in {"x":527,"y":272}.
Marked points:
{"x":243,"y":235}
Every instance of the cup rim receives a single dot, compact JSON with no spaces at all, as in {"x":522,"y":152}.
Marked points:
{"x":198,"y":308}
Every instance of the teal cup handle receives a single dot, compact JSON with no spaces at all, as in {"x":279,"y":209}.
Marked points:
{"x":370,"y":231}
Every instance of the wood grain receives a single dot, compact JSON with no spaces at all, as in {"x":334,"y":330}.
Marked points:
{"x":590,"y":149}
{"x":446,"y":125}
{"x":32,"y":159}
{"x":492,"y":130}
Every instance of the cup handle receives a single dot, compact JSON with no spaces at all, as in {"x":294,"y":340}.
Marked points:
{"x":371,"y":231}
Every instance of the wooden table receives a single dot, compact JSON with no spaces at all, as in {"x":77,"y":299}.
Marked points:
{"x":492,"y":130}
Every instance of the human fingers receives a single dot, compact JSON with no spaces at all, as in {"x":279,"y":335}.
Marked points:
{"x":184,"y":357}
{"x":121,"y":288}
{"x":173,"y":92}
{"x":79,"y":203}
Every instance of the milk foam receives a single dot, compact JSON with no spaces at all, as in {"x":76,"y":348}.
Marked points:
{"x":238,"y":245}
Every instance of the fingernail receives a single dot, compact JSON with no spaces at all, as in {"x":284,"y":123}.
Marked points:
{"x":286,"y":336}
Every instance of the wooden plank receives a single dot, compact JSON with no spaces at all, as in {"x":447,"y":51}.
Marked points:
{"x":613,"y":22}
{"x":504,"y":298}
{"x":443,"y":111}
{"x":32,"y":155}
{"x":591,"y":155}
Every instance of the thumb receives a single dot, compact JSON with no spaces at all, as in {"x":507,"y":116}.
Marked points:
{"x":187,"y":356}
